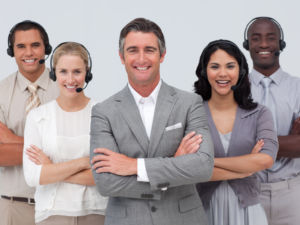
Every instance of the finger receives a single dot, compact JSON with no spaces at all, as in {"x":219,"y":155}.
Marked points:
{"x":104,"y":170}
{"x":34,"y":160}
{"x":103,"y":151}
{"x":35,"y":148}
{"x":194,"y":149}
{"x":194,"y":140}
{"x":100,"y":158}
{"x":101,"y":164}
{"x":31,"y":151}
{"x":188,"y":136}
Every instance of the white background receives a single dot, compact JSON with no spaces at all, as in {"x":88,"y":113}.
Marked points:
{"x":187,"y":25}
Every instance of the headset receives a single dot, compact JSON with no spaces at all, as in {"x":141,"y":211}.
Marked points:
{"x":35,"y":25}
{"x":282,"y":43}
{"x":88,"y":76}
{"x":242,"y":71}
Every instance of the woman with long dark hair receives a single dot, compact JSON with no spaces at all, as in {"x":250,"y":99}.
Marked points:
{"x":243,"y":134}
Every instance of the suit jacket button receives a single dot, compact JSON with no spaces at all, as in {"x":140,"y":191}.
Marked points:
{"x":153,"y":209}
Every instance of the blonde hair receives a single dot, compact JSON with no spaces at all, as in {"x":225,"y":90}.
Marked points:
{"x":71,"y":48}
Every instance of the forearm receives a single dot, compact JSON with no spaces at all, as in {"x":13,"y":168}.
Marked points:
{"x":223,"y":174}
{"x":249,"y":163}
{"x":289,"y":146}
{"x":56,"y":172}
{"x":112,"y":185}
{"x":84,"y":177}
{"x":11,"y":154}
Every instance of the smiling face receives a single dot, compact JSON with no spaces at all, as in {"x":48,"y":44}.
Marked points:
{"x":70,"y":71}
{"x":264,"y":36}
{"x":222,"y":73}
{"x":142,"y":60}
{"x":28,"y":49}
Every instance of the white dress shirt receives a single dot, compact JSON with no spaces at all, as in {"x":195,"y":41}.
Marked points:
{"x":146,"y":106}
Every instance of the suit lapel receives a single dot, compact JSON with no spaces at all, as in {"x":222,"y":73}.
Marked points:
{"x":165,"y":102}
{"x":129,"y":110}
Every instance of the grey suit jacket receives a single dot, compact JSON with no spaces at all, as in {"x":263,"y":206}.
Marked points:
{"x":117,"y":125}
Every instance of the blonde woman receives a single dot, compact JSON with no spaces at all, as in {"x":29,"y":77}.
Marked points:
{"x":56,"y":146}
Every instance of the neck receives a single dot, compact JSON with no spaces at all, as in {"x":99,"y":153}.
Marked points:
{"x":222,"y":102}
{"x":72,"y":104}
{"x":32,"y":77}
{"x":144,"y":89}
{"x":267,"y":71}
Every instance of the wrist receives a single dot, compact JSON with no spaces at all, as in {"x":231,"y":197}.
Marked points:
{"x":133,"y":167}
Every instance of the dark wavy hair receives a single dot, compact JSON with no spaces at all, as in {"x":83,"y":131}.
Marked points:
{"x":242,"y":94}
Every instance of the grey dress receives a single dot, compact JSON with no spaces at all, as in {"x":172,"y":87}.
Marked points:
{"x":224,"y":207}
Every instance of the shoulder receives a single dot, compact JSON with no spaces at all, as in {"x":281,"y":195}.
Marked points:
{"x":8,"y":81}
{"x":185,"y":96}
{"x":42,"y":112}
{"x":259,"y":111}
{"x":107,"y":104}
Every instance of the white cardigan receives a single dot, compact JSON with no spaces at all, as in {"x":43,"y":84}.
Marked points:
{"x":40,"y":130}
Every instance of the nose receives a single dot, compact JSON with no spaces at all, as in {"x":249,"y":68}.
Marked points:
{"x":263,"y":43}
{"x":223,"y":71}
{"x":141,"y":57}
{"x":70,"y":78}
{"x":28,"y":51}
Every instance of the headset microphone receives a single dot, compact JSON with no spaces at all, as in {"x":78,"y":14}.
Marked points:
{"x":42,"y":61}
{"x":277,"y":53}
{"x":81,"y":89}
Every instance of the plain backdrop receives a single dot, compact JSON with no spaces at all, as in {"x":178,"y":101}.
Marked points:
{"x":187,"y":25}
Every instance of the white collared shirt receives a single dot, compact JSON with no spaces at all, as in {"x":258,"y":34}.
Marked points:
{"x":146,"y":106}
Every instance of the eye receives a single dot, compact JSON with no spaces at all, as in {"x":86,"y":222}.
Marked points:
{"x":214,"y":67}
{"x":20,"y":46}
{"x":150,"y":50}
{"x":231,"y":66}
{"x":36,"y":44}
{"x":62,"y":71}
{"x":77,"y":72}
{"x":132,"y":50}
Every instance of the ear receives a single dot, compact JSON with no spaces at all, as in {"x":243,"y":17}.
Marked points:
{"x":162,"y":57}
{"x":121,"y":57}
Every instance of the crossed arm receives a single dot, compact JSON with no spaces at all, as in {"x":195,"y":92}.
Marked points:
{"x":289,"y":145}
{"x":114,"y":180}
{"x":39,"y":168}
{"x":11,"y":147}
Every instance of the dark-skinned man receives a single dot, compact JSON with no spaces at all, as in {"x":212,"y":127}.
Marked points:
{"x":271,"y":86}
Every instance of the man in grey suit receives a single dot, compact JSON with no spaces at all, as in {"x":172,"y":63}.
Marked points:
{"x":137,"y":154}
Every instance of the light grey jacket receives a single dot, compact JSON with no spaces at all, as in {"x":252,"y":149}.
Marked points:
{"x":117,"y":125}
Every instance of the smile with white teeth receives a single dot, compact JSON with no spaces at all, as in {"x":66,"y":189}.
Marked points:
{"x":222,"y":81}
{"x":29,"y":60}
{"x":264,"y":53}
{"x":142,"y":68}
{"x":70,"y":87}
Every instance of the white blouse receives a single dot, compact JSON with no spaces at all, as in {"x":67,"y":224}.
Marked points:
{"x":62,"y":136}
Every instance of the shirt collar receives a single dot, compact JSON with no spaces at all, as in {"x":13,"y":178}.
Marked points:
{"x":153,"y":96}
{"x":42,"y":81}
{"x":276,"y":77}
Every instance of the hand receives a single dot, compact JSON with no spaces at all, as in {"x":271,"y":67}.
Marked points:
{"x":189,"y":144}
{"x":111,"y":162}
{"x":258,"y":146}
{"x":295,"y":130}
{"x":7,"y":136}
{"x":37,"y":156}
